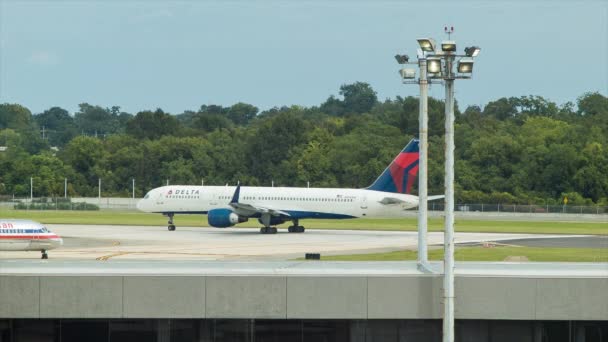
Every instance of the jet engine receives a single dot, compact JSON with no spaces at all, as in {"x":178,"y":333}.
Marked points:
{"x":223,"y":218}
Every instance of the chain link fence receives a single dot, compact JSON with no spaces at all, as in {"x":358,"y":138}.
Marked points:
{"x":75,"y":203}
{"x":523,"y":208}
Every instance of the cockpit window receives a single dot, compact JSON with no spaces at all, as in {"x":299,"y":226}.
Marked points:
{"x":147,"y":195}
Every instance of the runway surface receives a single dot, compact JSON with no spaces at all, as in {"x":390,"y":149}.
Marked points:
{"x":104,"y":242}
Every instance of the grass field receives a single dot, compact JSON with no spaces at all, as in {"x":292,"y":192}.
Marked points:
{"x":489,"y":254}
{"x":405,"y":224}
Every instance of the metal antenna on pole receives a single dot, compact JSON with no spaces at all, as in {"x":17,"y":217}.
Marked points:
{"x":448,"y":31}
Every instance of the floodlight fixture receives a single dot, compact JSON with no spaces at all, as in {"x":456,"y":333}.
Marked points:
{"x":433,"y":65}
{"x":448,"y":46}
{"x":407,"y":73}
{"x":472,"y":51}
{"x":465,"y":65}
{"x":427,"y":44}
{"x":402,"y":59}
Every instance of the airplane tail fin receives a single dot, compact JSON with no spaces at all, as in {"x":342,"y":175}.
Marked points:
{"x":399,"y":176}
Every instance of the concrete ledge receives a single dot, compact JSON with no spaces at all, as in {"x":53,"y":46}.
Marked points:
{"x":19,"y":297}
{"x":163,"y":297}
{"x":326,"y":297}
{"x":562,"y":298}
{"x":495,"y":298}
{"x":81,"y":297}
{"x":508,"y":291}
{"x":405,"y":297}
{"x":246,"y":297}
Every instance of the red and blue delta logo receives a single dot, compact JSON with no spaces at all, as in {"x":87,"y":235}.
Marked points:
{"x":401,"y":173}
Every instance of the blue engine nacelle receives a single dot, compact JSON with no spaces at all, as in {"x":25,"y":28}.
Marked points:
{"x":223,"y":218}
{"x":274,"y":220}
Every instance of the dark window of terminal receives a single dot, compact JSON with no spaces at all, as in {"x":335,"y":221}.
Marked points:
{"x":264,"y":330}
{"x":81,"y":330}
{"x":133,"y":330}
{"x":27,"y":330}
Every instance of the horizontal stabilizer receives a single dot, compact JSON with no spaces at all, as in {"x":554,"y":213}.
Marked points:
{"x":436,"y":197}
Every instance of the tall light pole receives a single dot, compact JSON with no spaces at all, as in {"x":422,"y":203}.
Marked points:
{"x":448,"y":261}
{"x":408,"y":76}
{"x":423,"y":128}
{"x":439,"y":66}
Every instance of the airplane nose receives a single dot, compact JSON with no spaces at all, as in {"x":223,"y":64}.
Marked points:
{"x":57,"y":242}
{"x":140,"y":205}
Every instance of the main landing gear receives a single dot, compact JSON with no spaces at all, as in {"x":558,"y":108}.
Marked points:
{"x":296,"y":228}
{"x":170,"y":225}
{"x":267,"y":229}
{"x":44,"y":255}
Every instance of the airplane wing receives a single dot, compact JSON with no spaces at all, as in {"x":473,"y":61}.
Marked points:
{"x":249,"y":210}
{"x":391,"y":200}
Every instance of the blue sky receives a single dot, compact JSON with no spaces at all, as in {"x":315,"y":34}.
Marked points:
{"x":179,"y":55}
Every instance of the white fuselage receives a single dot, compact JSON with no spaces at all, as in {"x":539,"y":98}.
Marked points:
{"x":298,"y":202}
{"x":25,"y":235}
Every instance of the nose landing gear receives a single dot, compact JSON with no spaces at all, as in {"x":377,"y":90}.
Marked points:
{"x":170,"y":225}
{"x":44,"y":255}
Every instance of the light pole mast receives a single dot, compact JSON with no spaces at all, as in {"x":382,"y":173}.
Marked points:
{"x":438,"y":64}
{"x":408,"y":76}
{"x":448,"y":263}
{"x":423,"y":164}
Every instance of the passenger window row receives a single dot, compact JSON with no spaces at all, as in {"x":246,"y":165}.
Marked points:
{"x":22,"y":231}
{"x":279,"y":198}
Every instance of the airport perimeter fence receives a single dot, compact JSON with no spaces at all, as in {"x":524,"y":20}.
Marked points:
{"x":130,"y":204}
{"x":524,"y":208}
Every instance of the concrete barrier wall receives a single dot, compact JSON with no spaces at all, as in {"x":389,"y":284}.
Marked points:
{"x":300,"y":297}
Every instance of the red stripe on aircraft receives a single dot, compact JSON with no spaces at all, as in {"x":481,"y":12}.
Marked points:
{"x":29,"y":237}
{"x":397,"y":169}
{"x":410,"y":179}
{"x":405,"y":159}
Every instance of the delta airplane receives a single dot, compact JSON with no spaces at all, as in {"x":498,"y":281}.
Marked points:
{"x":25,"y":235}
{"x":226,"y":206}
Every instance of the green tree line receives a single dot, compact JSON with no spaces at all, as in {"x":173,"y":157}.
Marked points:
{"x":516,"y":150}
